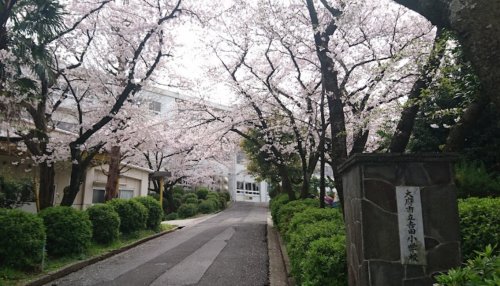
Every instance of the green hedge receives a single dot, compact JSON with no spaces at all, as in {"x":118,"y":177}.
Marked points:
{"x":325,"y":262}
{"x":133,"y":215}
{"x":207,"y":206}
{"x":105,"y":223}
{"x":22,"y":236}
{"x":69,"y":231}
{"x":275,"y":204}
{"x":187,"y":210}
{"x":155,"y":212}
{"x":226,"y":196}
{"x":300,"y":243}
{"x":172,"y":216}
{"x":287,"y":211}
{"x":479,"y":224}
{"x":311,"y":216}
{"x":202,"y":193}
{"x":191,"y":200}
{"x":187,"y":196}
{"x":315,"y":240}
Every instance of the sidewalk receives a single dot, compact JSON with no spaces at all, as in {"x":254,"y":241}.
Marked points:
{"x":189,"y":221}
{"x":279,"y":263}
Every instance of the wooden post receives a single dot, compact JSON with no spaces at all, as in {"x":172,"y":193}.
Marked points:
{"x":162,"y":188}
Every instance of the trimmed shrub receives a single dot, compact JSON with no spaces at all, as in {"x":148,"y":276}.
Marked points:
{"x":69,"y":231}
{"x":178,"y":190}
{"x":287,"y":211}
{"x":479,"y":224}
{"x":133,"y":215}
{"x":202,"y":193}
{"x":300,"y":242}
{"x":105,"y":223}
{"x":172,"y":216}
{"x":325,"y":262}
{"x":484,"y":269}
{"x":189,"y":195}
{"x":206,"y":207}
{"x":21,"y":239}
{"x":311,"y":216}
{"x":155,"y":212}
{"x":275,"y":204}
{"x":191,"y":200}
{"x":222,"y":203}
{"x":187,"y":210}
{"x":225,"y":195}
{"x":177,"y":203}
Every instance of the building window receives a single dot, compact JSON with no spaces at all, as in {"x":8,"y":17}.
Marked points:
{"x":98,"y":196}
{"x":126,"y":194}
{"x":248,"y":186}
{"x":239,"y":185}
{"x":255,"y":187}
{"x":155,"y":106}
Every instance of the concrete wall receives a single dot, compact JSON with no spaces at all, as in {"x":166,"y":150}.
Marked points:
{"x":371,"y":213}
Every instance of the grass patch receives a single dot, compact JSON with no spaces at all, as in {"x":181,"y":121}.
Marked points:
{"x":11,"y":277}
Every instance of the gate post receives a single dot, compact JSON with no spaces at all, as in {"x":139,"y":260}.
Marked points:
{"x":401,"y":218}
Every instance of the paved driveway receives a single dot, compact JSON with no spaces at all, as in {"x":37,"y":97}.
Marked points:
{"x":227,"y":249}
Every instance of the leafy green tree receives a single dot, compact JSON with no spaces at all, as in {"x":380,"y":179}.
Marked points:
{"x":27,"y":27}
{"x":264,"y":166}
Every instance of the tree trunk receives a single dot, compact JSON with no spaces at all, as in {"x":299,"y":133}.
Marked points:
{"x":286,"y":184}
{"x":360,"y":139}
{"x":46,"y":192}
{"x":113,"y":174}
{"x":405,"y":125}
{"x":477,"y":24}
{"x":458,"y":133}
{"x":333,"y":94}
{"x":304,"y":190}
{"x":78,"y":169}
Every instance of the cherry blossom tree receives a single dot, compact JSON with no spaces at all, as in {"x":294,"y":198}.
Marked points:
{"x":362,"y":67}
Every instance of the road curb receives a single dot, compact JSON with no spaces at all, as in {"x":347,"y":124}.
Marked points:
{"x":81,"y":264}
{"x":279,"y":263}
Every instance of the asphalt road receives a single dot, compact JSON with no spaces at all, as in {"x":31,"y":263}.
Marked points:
{"x":227,"y":249}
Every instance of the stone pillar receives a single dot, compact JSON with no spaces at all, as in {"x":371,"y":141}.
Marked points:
{"x":375,"y":186}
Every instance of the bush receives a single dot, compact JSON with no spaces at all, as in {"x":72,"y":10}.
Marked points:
{"x":300,"y":242}
{"x":15,"y":193}
{"x":484,"y":269}
{"x":187,"y":210}
{"x":189,"y":195}
{"x":172,"y":216}
{"x":275,"y":204}
{"x":155,"y":212}
{"x":69,"y":231}
{"x":207,"y":207}
{"x":133,"y":215}
{"x":178,"y":190}
{"x":191,"y":200}
{"x":22,"y":236}
{"x":311,"y":216}
{"x":325,"y":262}
{"x":287,"y":211}
{"x":202,"y":193}
{"x":105,"y":223}
{"x":479,"y":224}
{"x":473,"y":180}
{"x":222,"y":203}
{"x":225,"y":195}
